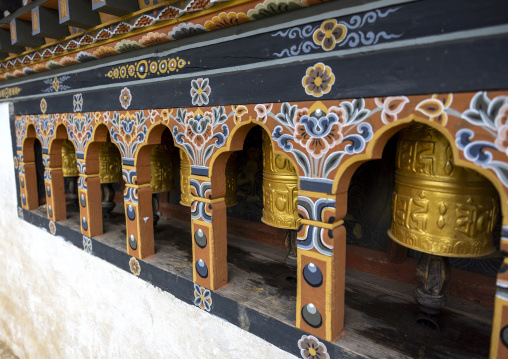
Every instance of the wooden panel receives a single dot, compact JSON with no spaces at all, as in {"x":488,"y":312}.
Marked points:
{"x":5,"y":44}
{"x":78,"y":13}
{"x":45,"y":23}
{"x":387,"y":73}
{"x":21,"y":34}
{"x":51,"y":4}
{"x":115,"y":7}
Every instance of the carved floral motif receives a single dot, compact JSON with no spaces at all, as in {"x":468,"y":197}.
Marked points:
{"x":199,"y":133}
{"x":332,"y":33}
{"x":391,"y":106}
{"x":320,"y":130}
{"x":134,"y":266}
{"x":87,"y":244}
{"x":128,"y":130}
{"x":79,"y":129}
{"x":318,"y":80}
{"x":435,"y":108}
{"x":312,"y":348}
{"x":77,"y":102}
{"x":125,"y":98}
{"x":200,"y":91}
{"x":329,"y":34}
{"x":202,"y":297}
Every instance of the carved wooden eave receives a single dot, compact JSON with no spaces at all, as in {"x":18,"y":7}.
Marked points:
{"x":115,"y":7}
{"x":144,"y":28}
{"x":46,"y":23}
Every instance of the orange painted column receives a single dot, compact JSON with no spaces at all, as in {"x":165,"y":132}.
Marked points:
{"x":321,"y":253}
{"x":89,"y":197}
{"x":137,"y":197}
{"x":499,"y":338}
{"x":28,"y":183}
{"x":209,"y":235}
{"x":139,"y":217}
{"x":55,"y":191}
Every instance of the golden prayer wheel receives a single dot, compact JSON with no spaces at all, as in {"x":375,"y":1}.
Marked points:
{"x":161,"y":168}
{"x":69,"y":162}
{"x":280,"y":189}
{"x":185,"y":172}
{"x":439,"y":208}
{"x":110,"y":163}
{"x":231,"y":181}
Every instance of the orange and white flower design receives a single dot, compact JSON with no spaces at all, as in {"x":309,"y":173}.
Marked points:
{"x":435,"y":107}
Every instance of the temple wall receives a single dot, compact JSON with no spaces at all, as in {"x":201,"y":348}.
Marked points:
{"x":57,"y":301}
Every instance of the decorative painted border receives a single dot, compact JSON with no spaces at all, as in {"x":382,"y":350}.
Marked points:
{"x":348,"y":32}
{"x":44,"y":59}
{"x":318,"y":136}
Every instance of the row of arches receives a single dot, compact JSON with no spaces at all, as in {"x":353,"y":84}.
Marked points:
{"x":206,"y":195}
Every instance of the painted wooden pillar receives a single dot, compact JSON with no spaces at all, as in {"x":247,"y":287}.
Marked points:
{"x":321,"y":253}
{"x":209,"y":235}
{"x":138,"y":211}
{"x":28,"y":183}
{"x":54,"y":188}
{"x":90,"y":208}
{"x":499,"y":338}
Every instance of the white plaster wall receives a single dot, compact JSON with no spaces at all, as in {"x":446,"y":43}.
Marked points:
{"x":57,"y":301}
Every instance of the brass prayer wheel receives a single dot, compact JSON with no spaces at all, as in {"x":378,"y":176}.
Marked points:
{"x":110,"y":163}
{"x":439,"y":208}
{"x":161,"y":168}
{"x":280,"y":189}
{"x":231,"y":181}
{"x":185,"y":172}
{"x":69,"y":162}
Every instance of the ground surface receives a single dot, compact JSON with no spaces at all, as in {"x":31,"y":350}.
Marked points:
{"x":6,"y":351}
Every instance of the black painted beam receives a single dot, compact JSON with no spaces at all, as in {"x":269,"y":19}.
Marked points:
{"x":10,"y":5}
{"x":22,"y":10}
{"x":6,"y":46}
{"x":115,"y":7}
{"x":21,"y":34}
{"x":77,"y":13}
{"x":45,"y":23}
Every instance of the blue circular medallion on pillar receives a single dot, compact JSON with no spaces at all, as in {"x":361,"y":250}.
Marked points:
{"x":504,"y":336}
{"x":311,"y":315}
{"x":132,"y":242}
{"x":84,"y":224}
{"x":131,"y":212}
{"x":312,"y":275}
{"x":201,"y":268}
{"x":200,"y":238}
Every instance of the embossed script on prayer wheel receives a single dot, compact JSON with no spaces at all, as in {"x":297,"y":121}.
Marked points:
{"x":69,"y":162}
{"x":439,"y":208}
{"x":280,"y":189}
{"x":161,"y":168}
{"x":110,"y":163}
{"x":185,"y":171}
